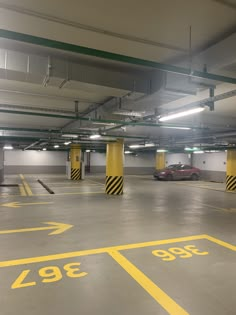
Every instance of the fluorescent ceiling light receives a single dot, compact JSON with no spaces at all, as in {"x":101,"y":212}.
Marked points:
{"x":44,"y":149}
{"x":88,"y":151}
{"x":198,"y":152}
{"x":149,"y":145}
{"x":56,"y":146}
{"x":8,"y":147}
{"x":135,"y":146}
{"x":128,"y":152}
{"x":161,"y":150}
{"x":191,"y":149}
{"x":70,"y":136}
{"x":182,"y":114}
{"x":180,"y":128}
{"x":95,"y":136}
{"x":66,"y":143}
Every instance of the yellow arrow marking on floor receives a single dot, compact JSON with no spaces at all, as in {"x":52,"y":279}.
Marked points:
{"x":57,"y":227}
{"x":17,"y":204}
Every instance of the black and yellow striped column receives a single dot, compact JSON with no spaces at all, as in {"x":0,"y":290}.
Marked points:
{"x":75,"y":158}
{"x":231,"y":170}
{"x":114,"y":168}
{"x":160,"y":160}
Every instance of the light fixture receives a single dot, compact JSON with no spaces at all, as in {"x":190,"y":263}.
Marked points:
{"x":56,"y":146}
{"x":149,"y":145}
{"x":66,"y":143}
{"x":88,"y":151}
{"x":161,"y":150}
{"x":191,"y":149}
{"x":198,"y":152}
{"x":8,"y":147}
{"x":182,"y":114}
{"x":96,"y":136}
{"x":173,"y":127}
{"x":128,"y":152}
{"x":68,"y":135}
{"x":44,"y":149}
{"x":135,"y":146}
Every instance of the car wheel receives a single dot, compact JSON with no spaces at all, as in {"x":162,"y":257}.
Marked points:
{"x":169,"y":177}
{"x":194,"y":177}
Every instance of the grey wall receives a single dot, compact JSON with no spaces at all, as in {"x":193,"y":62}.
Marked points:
{"x":143,"y":163}
{"x":212,"y":165}
{"x":35,"y":162}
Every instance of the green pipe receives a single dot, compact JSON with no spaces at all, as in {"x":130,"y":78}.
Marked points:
{"x":106,"y":121}
{"x":59,"y":132}
{"x":111,"y":56}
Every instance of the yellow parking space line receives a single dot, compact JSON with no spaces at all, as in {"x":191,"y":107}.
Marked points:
{"x":221,"y":243}
{"x":26,"y":185}
{"x":73,"y":193}
{"x":22,"y":190}
{"x":93,"y":181}
{"x":7,"y":196}
{"x":150,"y":287}
{"x":24,"y":261}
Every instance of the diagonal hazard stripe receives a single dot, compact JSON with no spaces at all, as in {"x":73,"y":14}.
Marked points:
{"x":112,"y":183}
{"x":113,"y":179}
{"x":117,"y":186}
{"x":232,"y":186}
{"x":108,"y":179}
{"x":230,"y":179}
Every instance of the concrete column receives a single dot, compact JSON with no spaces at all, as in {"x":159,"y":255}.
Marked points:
{"x":231,"y":170}
{"x":160,"y":160}
{"x":75,"y":158}
{"x":114,"y":168}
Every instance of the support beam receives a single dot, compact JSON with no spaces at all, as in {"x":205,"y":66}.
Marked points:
{"x":112,"y":56}
{"x":231,"y":170}
{"x":114,"y":168}
{"x":75,"y":158}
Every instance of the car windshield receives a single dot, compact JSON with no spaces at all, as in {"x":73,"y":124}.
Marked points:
{"x":174,"y":167}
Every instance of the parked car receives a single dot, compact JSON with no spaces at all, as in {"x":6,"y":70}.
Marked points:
{"x":178,"y":171}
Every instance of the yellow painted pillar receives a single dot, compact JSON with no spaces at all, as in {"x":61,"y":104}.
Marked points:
{"x":114,"y":168}
{"x":75,"y":158}
{"x":160,"y":160}
{"x":231,"y":170}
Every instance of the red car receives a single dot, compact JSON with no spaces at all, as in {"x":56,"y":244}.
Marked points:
{"x":178,"y":171}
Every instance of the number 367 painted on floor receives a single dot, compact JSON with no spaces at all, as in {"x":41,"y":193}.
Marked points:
{"x":49,"y":274}
{"x":186,"y":252}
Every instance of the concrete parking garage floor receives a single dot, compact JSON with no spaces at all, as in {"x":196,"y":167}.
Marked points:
{"x":161,"y":248}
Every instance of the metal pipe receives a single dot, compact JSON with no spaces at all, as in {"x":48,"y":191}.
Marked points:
{"x":106,"y":121}
{"x":111,"y":56}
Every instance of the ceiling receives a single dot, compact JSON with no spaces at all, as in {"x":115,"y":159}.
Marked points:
{"x":96,"y":67}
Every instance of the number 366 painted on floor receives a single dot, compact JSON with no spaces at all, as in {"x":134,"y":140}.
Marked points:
{"x":49,"y":274}
{"x":186,"y":252}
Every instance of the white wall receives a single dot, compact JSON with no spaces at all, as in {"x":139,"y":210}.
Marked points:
{"x":97,"y":159}
{"x":39,"y":158}
{"x":178,"y":158}
{"x":141,"y":160}
{"x":210,"y":161}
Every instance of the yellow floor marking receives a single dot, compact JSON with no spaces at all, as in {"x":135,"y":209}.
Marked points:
{"x":6,"y":196}
{"x":22,"y":190}
{"x":73,"y":193}
{"x":17,"y":204}
{"x":221,"y":243}
{"x":57,"y":227}
{"x":31,"y":260}
{"x":93,"y":181}
{"x":26,"y":185}
{"x":159,"y":295}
